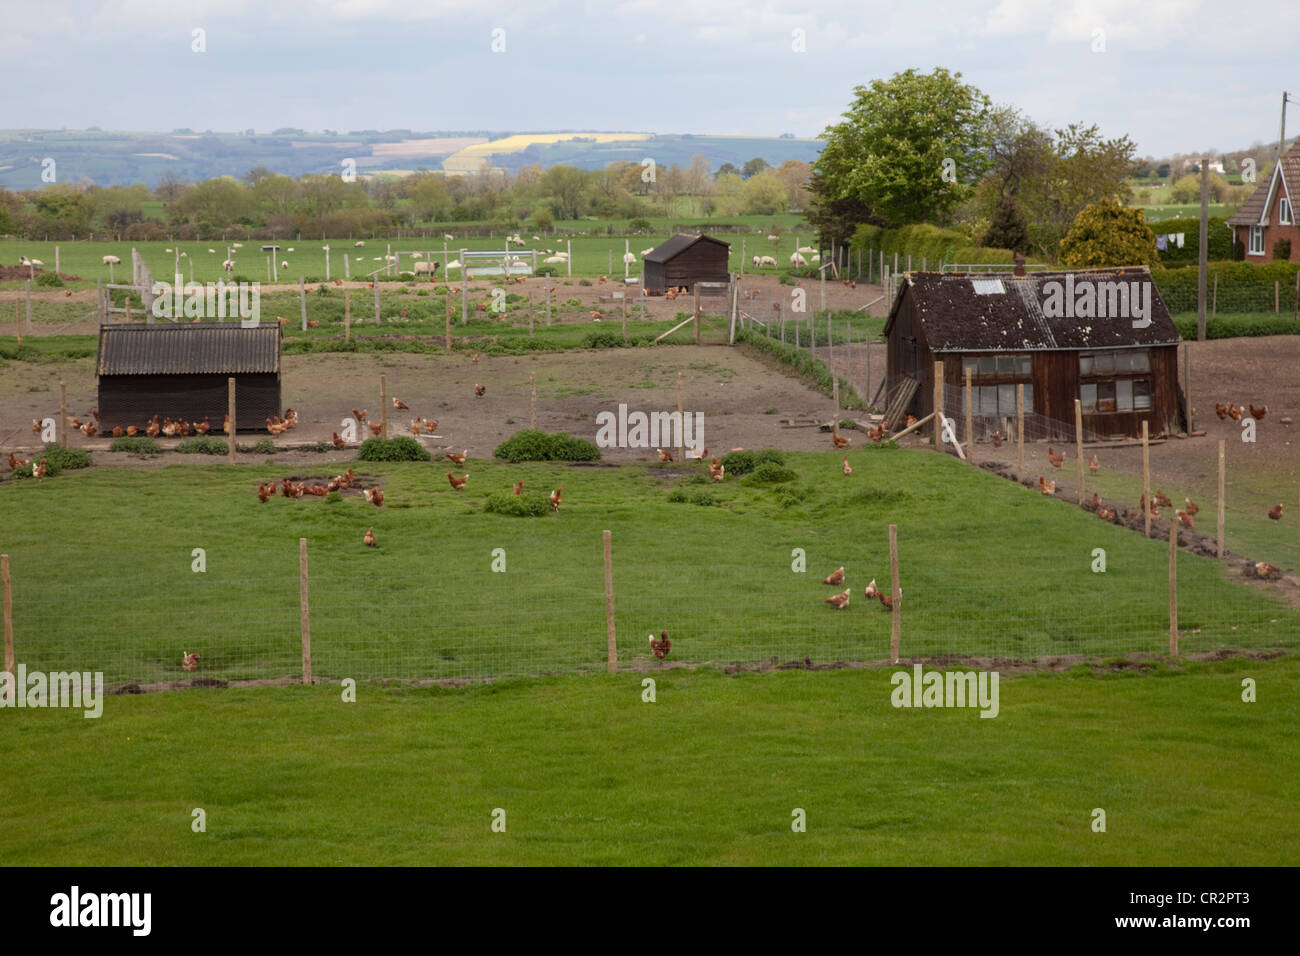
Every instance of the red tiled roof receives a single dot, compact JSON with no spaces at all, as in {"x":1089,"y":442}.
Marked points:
{"x":1252,"y":210}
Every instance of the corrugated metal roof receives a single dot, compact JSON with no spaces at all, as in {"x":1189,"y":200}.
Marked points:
{"x":222,"y":348}
{"x":955,"y":317}
{"x":670,"y":247}
{"x":1252,"y":211}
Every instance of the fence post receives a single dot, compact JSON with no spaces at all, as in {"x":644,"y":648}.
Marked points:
{"x":938,"y":406}
{"x":464,"y":289}
{"x":230,"y":410}
{"x":376,"y":285}
{"x":347,"y":267}
{"x":1187,"y":385}
{"x":970,"y":433}
{"x":1020,"y":433}
{"x":305,"y":610}
{"x":1146,"y":481}
{"x":302,"y":300}
{"x":896,"y":593}
{"x":27,"y":284}
{"x":383,"y":406}
{"x":532,"y":401}
{"x":697,"y":313}
{"x":1173,"y":586}
{"x":9,"y":626}
{"x":347,"y":315}
{"x":99,"y":296}
{"x":1221,"y":445}
{"x":609,"y":606}
{"x":681,"y":427}
{"x":327,"y":263}
{"x":62,"y":432}
{"x":447,"y":330}
{"x":1078,"y":443}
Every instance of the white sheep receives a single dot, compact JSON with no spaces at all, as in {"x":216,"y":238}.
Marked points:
{"x":422,"y":268}
{"x":816,"y":257}
{"x":112,"y":261}
{"x":757,"y":262}
{"x":379,"y":258}
{"x":414,"y":255}
{"x":773,"y":238}
{"x":233,"y":245}
{"x":554,"y":259}
{"x":228,"y":265}
{"x":454,"y":264}
{"x":212,"y":250}
{"x":359,"y":243}
{"x":806,"y":250}
{"x":449,"y":237}
{"x":36,"y":262}
{"x":767,"y":261}
{"x":629,"y":257}
{"x":797,"y":260}
{"x":290,"y":249}
{"x":284,"y":264}
{"x":646,"y":252}
{"x":537,"y":238}
{"x":166,"y":250}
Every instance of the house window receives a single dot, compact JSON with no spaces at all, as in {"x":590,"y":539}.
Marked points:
{"x":1284,"y":211}
{"x":1256,"y":241}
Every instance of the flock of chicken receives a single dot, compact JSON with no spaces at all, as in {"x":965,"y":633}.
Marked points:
{"x":1236,"y":411}
{"x":840,"y":600}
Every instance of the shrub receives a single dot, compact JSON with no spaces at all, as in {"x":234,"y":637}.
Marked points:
{"x":676,"y":496}
{"x":263,"y":446}
{"x":639,"y":225}
{"x":769,"y":473}
{"x":401,"y":448}
{"x":1281,"y":251}
{"x":526,"y":505}
{"x":739,"y":463}
{"x":573,"y":300}
{"x":702,"y":498}
{"x":140,"y":445}
{"x":532,"y":445}
{"x":49,"y":280}
{"x":584,"y":282}
{"x":203,"y":445}
{"x":56,"y":460}
{"x":788,"y":497}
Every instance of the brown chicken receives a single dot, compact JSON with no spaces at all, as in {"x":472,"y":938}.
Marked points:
{"x":36,"y":426}
{"x":1236,"y":411}
{"x":183,"y":428}
{"x":39,"y":470}
{"x":457,"y":483}
{"x":1265,"y":570}
{"x":909,"y":421}
{"x":296,"y":490}
{"x":1057,"y":458}
{"x":349,"y":479}
{"x":152,"y":428}
{"x":1162,"y":499}
{"x":839,"y":601}
{"x":430,"y":426}
{"x":717,"y":470}
{"x":264,"y":493}
{"x":15,"y":462}
{"x":203,"y":427}
{"x":870,"y":590}
{"x":846,"y":467}
{"x":480,"y":390}
{"x":132,"y":431}
{"x":117,"y":431}
{"x":697,"y":457}
{"x":375,"y":427}
{"x":1221,"y":410}
{"x":190,"y":662}
{"x":836,"y":440}
{"x":1184,"y":519}
{"x":225,"y":425}
{"x":338,"y":442}
{"x":1093,"y":464}
{"x":997,"y":439}
{"x":660,"y":648}
{"x":360,"y":416}
{"x":375,"y":496}
{"x":555,"y":498}
{"x":1258,"y":413}
{"x":663,"y":455}
{"x":457,"y":458}
{"x":1105,"y":514}
{"x":1046,"y":487}
{"x":474,"y":358}
{"x":519,"y":487}
{"x":1274,"y":512}
{"x":369,"y":537}
{"x":417,"y":426}
{"x":887,"y":600}
{"x":398,"y":403}
{"x":835,"y":578}
{"x":1096,"y":501}
{"x":1190,"y":506}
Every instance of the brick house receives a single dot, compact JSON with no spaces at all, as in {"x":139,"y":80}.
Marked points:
{"x":1270,"y":213}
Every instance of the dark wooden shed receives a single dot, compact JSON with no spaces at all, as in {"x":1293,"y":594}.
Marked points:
{"x":1064,"y":336}
{"x":684,"y":261}
{"x":180,"y":372}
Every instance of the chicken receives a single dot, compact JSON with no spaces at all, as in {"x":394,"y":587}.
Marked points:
{"x":369,"y":537}
{"x":338,"y":442}
{"x":183,"y":428}
{"x":15,"y":462}
{"x":480,"y":390}
{"x":152,"y":429}
{"x":312,"y":323}
{"x":663,"y":455}
{"x":132,"y":431}
{"x":349,"y":479}
{"x":225,"y":426}
{"x":909,"y":421}
{"x":457,"y":483}
{"x":839,"y":601}
{"x":1046,"y":487}
{"x":1274,"y":512}
{"x":286,"y":488}
{"x":697,"y":457}
{"x":430,"y":426}
{"x":36,"y":426}
{"x":203,"y":427}
{"x":1265,"y":570}
{"x":375,"y":427}
{"x":887,"y":600}
{"x":1190,"y":506}
{"x":594,"y":313}
{"x":320,"y":491}
{"x":1258,"y":413}
{"x":870,"y":590}
{"x":836,"y":440}
{"x":334,"y":484}
{"x":1093,"y":464}
{"x":39,"y":470}
{"x":997,"y":439}
{"x":74,"y":421}
{"x":117,"y":431}
{"x":1162,"y":499}
{"x":474,"y":358}
{"x":360,"y":416}
{"x":519,"y":487}
{"x":263,"y":493}
{"x":417,"y":425}
{"x":846,"y":467}
{"x":375,"y":496}
{"x":1056,"y":458}
{"x":398,"y":403}
{"x":190,"y":662}
{"x":296,"y":490}
{"x":1221,"y":410}
{"x":660,"y":648}
{"x":1184,"y":519}
{"x":555,"y":498}
{"x":878,"y":433}
{"x":459,"y":459}
{"x":717,"y":470}
{"x":271,"y":487}
{"x":1105,"y":514}
{"x":290,"y":418}
{"x":89,"y":429}
{"x":170,"y":428}
{"x":1235,"y":412}
{"x":835,"y":578}
{"x":1096,"y":501}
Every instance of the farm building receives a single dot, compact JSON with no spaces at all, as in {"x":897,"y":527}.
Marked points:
{"x":686,"y":260}
{"x":1064,"y":336}
{"x":180,"y":372}
{"x":1269,"y":214}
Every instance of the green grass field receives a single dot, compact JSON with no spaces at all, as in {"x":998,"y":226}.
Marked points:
{"x":710,"y":773}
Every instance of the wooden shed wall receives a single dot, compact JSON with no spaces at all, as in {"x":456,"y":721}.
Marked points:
{"x":904,"y":361}
{"x":134,"y":399}
{"x":701,"y":262}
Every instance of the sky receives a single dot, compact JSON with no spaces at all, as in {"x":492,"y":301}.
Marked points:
{"x":1174,"y":75}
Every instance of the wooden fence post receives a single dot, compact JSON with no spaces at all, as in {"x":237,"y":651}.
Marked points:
{"x":446,"y":344}
{"x":1187,"y":385}
{"x":1146,"y":480}
{"x":347,"y":315}
{"x":697,"y":313}
{"x":9,"y":626}
{"x":609,"y":606}
{"x":681,"y":421}
{"x":1020,"y":433}
{"x":1078,"y":443}
{"x":464,"y":288}
{"x":18,"y":319}
{"x":302,"y":300}
{"x":970,"y":434}
{"x":62,"y":432}
{"x":304,"y":610}
{"x":383,"y":406}
{"x":1173,"y":586}
{"x":530,"y":318}
{"x":230,"y":410}
{"x":938,"y":406}
{"x":896,"y":593}
{"x":376,"y":285}
{"x":1221,"y":447}
{"x":27,"y":284}
{"x":532,"y":400}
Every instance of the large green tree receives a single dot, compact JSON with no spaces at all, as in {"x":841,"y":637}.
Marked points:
{"x":1108,"y":234}
{"x":908,"y":150}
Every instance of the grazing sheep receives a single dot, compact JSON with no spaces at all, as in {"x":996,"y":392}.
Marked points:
{"x":449,"y":237}
{"x":166,"y":250}
{"x":629,"y":257}
{"x":757,"y":261}
{"x":806,"y":250}
{"x":112,"y":261}
{"x":773,"y":238}
{"x":359,"y":243}
{"x":797,"y":260}
{"x":816,"y":257}
{"x":414,"y":255}
{"x":537,"y":238}
{"x":423,"y":268}
{"x":284,"y":264}
{"x":212,"y":250}
{"x":228,"y":264}
{"x":236,"y":245}
{"x":767,"y":261}
{"x":290,"y":249}
{"x":454,"y":264}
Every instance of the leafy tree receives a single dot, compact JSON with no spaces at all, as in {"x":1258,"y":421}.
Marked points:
{"x":886,"y":162}
{"x":1188,"y":188}
{"x":724,"y":169}
{"x":763,"y":194}
{"x":254,"y":175}
{"x":1007,"y":229}
{"x":754,"y":167}
{"x":565,"y":185}
{"x":1108,"y":234}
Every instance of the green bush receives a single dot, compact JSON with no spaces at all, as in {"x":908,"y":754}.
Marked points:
{"x":573,"y":300}
{"x":740,"y":463}
{"x":1282,"y":250}
{"x":532,"y":445}
{"x":203,"y":445}
{"x":263,"y":446}
{"x":639,"y":226}
{"x":56,"y":460}
{"x":769,"y":473}
{"x":677,"y":496}
{"x":584,"y":282}
{"x":401,"y":448}
{"x":525,"y":505}
{"x":139,"y":445}
{"x":702,"y":498}
{"x":49,"y":280}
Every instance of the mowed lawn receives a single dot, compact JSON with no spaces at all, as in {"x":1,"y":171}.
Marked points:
{"x":710,"y":773}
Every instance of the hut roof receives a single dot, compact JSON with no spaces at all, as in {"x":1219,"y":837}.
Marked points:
{"x":961,"y":312}
{"x":188,"y":349}
{"x":671,"y":247}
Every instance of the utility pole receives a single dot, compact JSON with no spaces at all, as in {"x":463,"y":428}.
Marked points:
{"x":1202,"y":254}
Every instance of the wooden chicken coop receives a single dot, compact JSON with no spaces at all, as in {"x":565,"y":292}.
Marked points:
{"x":181,"y":371}
{"x":996,"y":326}
{"x":686,"y":260}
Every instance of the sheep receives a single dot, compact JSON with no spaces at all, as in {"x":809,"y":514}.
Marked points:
{"x":423,"y":268}
{"x":233,"y":245}
{"x":228,"y":265}
{"x":797,"y":260}
{"x":24,"y":261}
{"x":559,"y":260}
{"x":757,"y":261}
{"x":112,"y":261}
{"x":359,"y":243}
{"x":290,"y":249}
{"x":284,"y":264}
{"x":816,"y":257}
{"x":454,"y":264}
{"x":806,"y":250}
{"x":449,"y":237}
{"x":379,"y":258}
{"x":773,"y":238}
{"x":537,"y":238}
{"x":36,"y":262}
{"x":629,"y":258}
{"x":212,"y":251}
{"x":767,"y":261}
{"x":414,"y":255}
{"x":166,"y":250}
{"x":646,"y":252}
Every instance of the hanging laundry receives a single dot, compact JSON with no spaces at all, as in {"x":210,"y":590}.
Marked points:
{"x":1162,"y":243}
{"x":1180,"y":240}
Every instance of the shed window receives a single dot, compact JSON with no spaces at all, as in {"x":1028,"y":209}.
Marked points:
{"x":998,"y":366}
{"x":998,"y":401}
{"x":1111,"y":363}
{"x":1122,"y":395}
